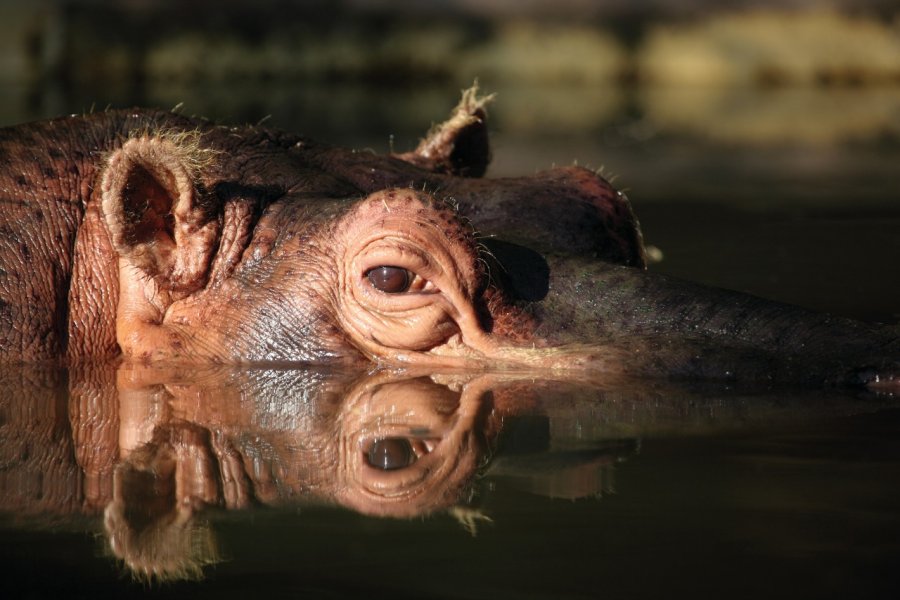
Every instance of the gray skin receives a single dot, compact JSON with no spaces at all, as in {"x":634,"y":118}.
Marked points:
{"x":161,"y":238}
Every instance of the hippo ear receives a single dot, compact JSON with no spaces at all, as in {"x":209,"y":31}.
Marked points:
{"x":152,"y":211}
{"x":459,"y":145}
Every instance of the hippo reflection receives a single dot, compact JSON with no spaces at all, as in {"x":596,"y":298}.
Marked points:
{"x":152,"y":448}
{"x":162,"y":238}
{"x":380,"y":446}
{"x":383,"y":445}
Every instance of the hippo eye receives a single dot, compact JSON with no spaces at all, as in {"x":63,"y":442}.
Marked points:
{"x":390,"y":454}
{"x":390,"y":279}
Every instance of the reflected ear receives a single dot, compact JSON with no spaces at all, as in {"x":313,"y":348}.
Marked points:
{"x":151,"y":209}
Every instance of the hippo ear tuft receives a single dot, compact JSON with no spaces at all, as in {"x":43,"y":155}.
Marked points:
{"x":149,"y":201}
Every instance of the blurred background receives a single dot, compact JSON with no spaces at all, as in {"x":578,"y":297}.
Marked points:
{"x":759,"y":140}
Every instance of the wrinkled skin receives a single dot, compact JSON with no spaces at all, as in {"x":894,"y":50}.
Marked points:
{"x":162,"y":238}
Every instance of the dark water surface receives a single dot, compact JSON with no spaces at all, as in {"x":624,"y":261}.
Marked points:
{"x":274,"y":482}
{"x":271,"y":482}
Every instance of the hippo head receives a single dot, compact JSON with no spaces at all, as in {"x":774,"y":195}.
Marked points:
{"x":234,"y":245}
{"x":242,"y":246}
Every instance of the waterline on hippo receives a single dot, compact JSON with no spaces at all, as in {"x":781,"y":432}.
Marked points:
{"x":161,"y":238}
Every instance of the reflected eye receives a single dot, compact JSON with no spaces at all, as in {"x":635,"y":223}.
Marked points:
{"x":390,"y":454}
{"x":389,"y":279}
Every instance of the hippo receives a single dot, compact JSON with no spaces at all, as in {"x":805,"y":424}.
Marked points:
{"x":157,"y":238}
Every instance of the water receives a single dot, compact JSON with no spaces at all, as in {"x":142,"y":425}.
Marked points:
{"x":258,"y":480}
{"x":523,"y":487}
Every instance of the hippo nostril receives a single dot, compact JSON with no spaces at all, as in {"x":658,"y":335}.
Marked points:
{"x":389,"y":279}
{"x":390,"y":454}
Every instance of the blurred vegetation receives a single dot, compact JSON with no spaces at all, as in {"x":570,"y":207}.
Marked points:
{"x":576,"y":79}
{"x":140,"y":40}
{"x":692,"y":64}
{"x":770,"y":48}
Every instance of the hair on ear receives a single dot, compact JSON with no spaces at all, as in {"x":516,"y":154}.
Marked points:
{"x":185,"y":144}
{"x":155,"y":216}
